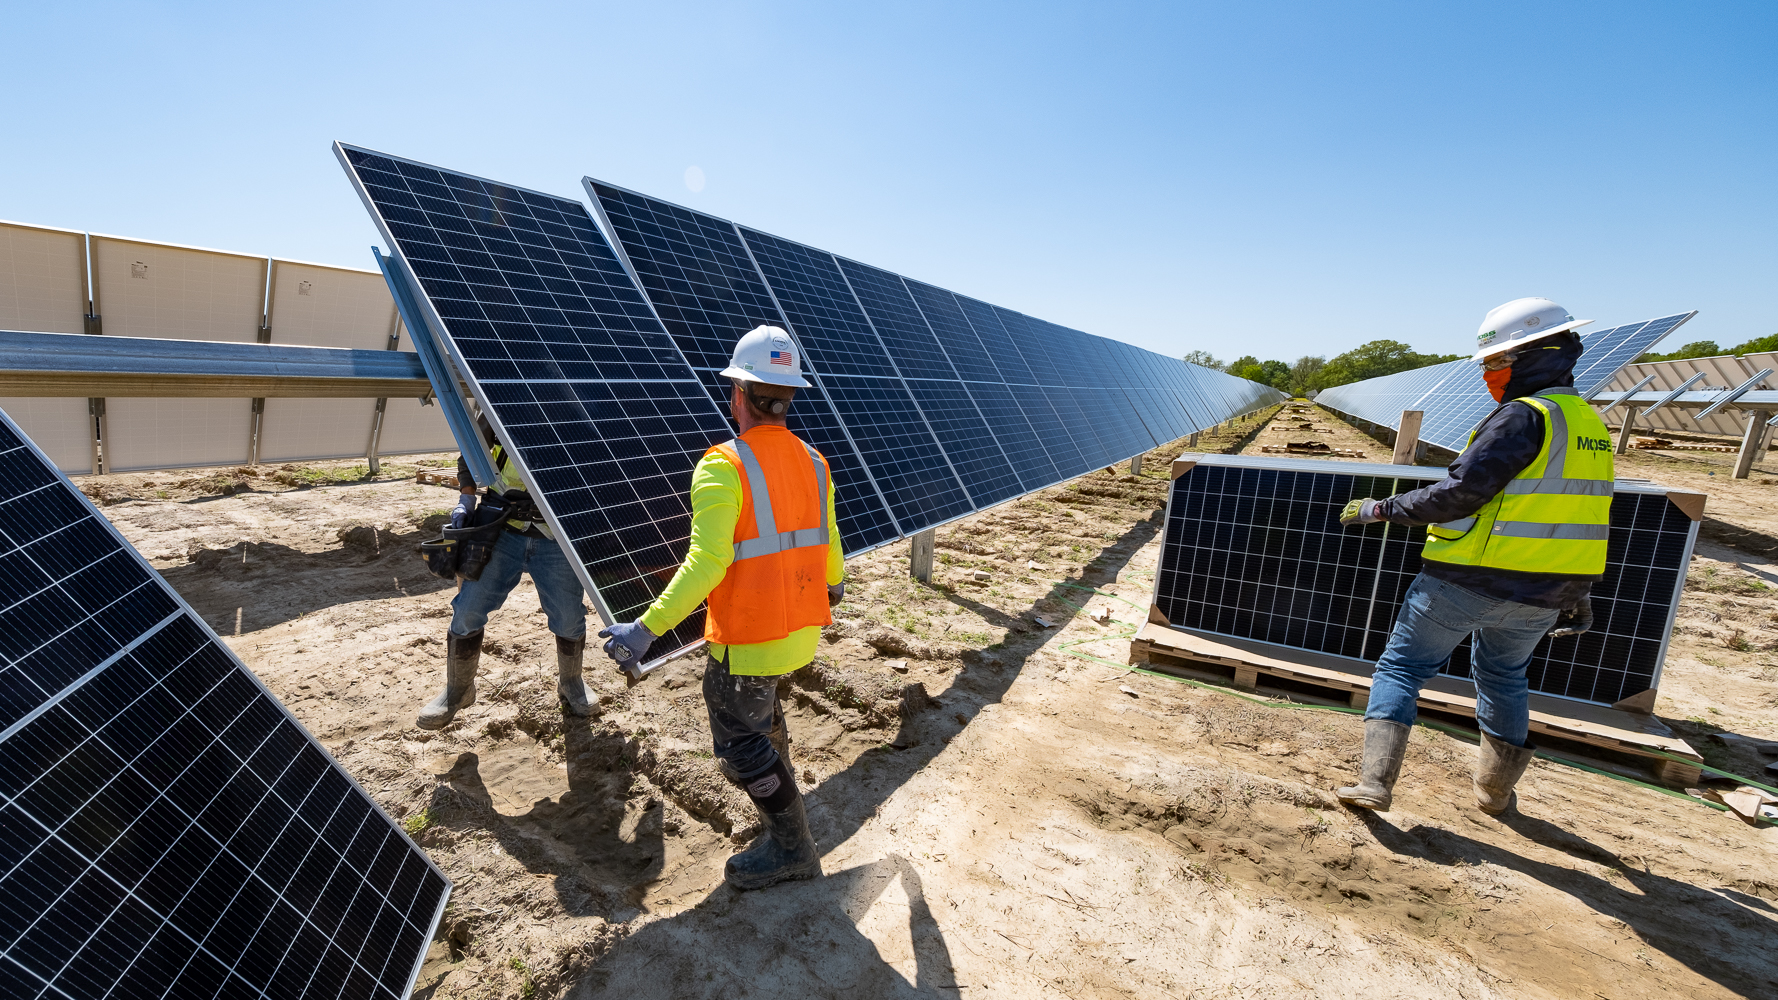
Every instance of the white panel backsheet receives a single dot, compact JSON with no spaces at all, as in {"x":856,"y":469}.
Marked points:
{"x":42,"y":281}
{"x":62,"y":427}
{"x":1720,"y":372}
{"x":314,"y":305}
{"x":175,"y":433}
{"x":180,"y":293}
{"x":298,"y":430}
{"x":412,"y":429}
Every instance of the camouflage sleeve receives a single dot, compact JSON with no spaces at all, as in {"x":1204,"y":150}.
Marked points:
{"x":1508,"y":441}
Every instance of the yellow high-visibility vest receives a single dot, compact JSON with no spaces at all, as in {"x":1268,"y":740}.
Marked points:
{"x":1555,"y":516}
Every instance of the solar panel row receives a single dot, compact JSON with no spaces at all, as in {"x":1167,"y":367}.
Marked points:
{"x":1253,"y":549}
{"x":597,"y":361}
{"x":167,"y":828}
{"x":1455,"y":399}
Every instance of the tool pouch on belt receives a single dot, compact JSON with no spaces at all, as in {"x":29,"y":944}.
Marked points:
{"x":441,"y":557}
{"x":475,"y":541}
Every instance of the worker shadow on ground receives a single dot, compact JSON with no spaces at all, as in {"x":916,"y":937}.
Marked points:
{"x":603,"y":840}
{"x":866,"y":931}
{"x":829,"y":937}
{"x":270,"y":584}
{"x":1666,"y":913}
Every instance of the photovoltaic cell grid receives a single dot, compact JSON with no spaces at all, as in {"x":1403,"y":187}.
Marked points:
{"x":605,"y":417}
{"x":1253,"y":549}
{"x":166,"y":827}
{"x":1455,"y":398}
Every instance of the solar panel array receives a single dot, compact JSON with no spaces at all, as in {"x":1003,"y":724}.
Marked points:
{"x":598,"y":369}
{"x":1253,"y":549}
{"x":1455,"y":399}
{"x":167,"y":828}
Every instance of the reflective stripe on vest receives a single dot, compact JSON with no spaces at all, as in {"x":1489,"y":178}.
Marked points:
{"x":1550,"y":518}
{"x":770,"y":539}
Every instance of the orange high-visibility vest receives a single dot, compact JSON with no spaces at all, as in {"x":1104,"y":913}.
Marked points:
{"x":778,"y":581}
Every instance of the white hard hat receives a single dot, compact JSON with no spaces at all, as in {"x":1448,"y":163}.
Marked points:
{"x":766,"y":354}
{"x":1519,"y":322}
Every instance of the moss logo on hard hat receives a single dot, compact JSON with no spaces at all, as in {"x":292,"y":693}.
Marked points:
{"x":1484,"y":339}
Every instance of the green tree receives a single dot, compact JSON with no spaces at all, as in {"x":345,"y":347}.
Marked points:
{"x":1203,"y":358}
{"x":1695,"y":349}
{"x":1304,"y":373}
{"x":1374,"y":360}
{"x":1758,"y":345}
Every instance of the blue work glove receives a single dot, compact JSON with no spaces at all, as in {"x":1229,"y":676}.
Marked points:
{"x":1575,"y":620}
{"x":1359,"y":512}
{"x":627,"y":642}
{"x":460,"y":513}
{"x":836,"y":592}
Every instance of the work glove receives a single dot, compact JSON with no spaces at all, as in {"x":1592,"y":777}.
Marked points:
{"x":1575,"y":620}
{"x":460,"y":513}
{"x":836,"y":592}
{"x":626,"y":642}
{"x":1359,"y":512}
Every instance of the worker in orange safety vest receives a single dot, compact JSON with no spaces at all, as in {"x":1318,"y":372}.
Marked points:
{"x":765,"y":553}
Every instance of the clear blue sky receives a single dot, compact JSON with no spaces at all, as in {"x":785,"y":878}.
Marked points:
{"x":1270,"y":178}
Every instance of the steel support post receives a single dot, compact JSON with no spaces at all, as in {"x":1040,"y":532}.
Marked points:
{"x":920,"y":554}
{"x":1751,"y":442}
{"x":1623,"y":434}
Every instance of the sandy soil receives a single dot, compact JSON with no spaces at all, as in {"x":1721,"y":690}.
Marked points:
{"x":999,"y":815}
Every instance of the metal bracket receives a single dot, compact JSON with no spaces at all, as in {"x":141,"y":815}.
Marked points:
{"x":1734,"y":394}
{"x":1675,"y":394}
{"x":1625,"y":395}
{"x":438,"y":369}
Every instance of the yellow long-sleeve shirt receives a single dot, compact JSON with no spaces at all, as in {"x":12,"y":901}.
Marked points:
{"x":715,"y":510}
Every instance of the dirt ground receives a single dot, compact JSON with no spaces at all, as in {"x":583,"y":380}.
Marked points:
{"x":998,"y":815}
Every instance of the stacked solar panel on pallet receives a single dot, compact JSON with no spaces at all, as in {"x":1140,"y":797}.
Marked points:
{"x":1455,"y":399}
{"x":167,"y":828}
{"x":596,"y":363}
{"x":1253,"y":550}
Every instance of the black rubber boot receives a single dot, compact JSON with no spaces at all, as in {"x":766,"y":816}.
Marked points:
{"x":571,"y":689}
{"x":787,"y":851}
{"x":462,"y":654}
{"x":1498,"y":768}
{"x":1385,"y":743}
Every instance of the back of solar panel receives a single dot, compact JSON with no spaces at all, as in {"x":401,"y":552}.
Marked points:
{"x":167,"y":827}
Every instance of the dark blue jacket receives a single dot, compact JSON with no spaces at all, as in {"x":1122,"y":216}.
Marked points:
{"x":1507,"y":441}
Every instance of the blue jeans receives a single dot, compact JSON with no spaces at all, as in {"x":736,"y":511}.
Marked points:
{"x":1434,"y":619}
{"x":558,"y":589}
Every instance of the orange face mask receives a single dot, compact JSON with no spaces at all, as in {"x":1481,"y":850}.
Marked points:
{"x":1497,"y":381}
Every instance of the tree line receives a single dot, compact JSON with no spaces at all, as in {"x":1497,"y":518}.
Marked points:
{"x":1709,"y":349}
{"x":1312,"y":373}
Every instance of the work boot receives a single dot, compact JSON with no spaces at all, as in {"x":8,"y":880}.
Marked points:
{"x":787,"y":850}
{"x":1498,"y":768}
{"x":462,"y":654}
{"x":1385,"y":743}
{"x":570,"y":688}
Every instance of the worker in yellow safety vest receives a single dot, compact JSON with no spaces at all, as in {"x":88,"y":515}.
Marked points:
{"x":765,"y":553}
{"x":1515,"y":539}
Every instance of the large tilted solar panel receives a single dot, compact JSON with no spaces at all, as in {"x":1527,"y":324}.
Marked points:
{"x":167,"y":828}
{"x":1455,"y":398}
{"x":597,"y":364}
{"x":604,"y":417}
{"x":1253,"y":550}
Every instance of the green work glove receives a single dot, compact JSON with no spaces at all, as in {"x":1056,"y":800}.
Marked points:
{"x":1359,"y":512}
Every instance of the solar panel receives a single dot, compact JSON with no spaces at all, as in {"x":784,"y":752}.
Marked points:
{"x":166,"y":826}
{"x":604,"y":416}
{"x":1253,"y":550}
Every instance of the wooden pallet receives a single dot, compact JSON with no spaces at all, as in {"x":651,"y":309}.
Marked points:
{"x":435,"y":479}
{"x":1328,"y":680}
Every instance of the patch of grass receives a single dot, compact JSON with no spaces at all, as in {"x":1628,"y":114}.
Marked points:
{"x":417,"y":822}
{"x":1712,"y":580}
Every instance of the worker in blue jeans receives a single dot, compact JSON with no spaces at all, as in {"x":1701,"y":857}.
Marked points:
{"x":526,"y":545}
{"x":1515,"y":538}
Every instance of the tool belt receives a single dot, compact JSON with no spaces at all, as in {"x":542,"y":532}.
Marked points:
{"x":463,"y":553}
